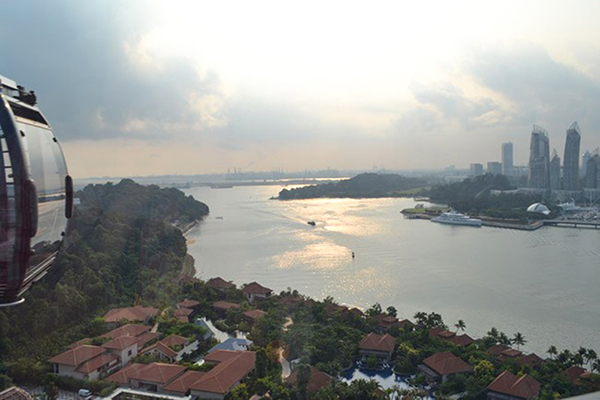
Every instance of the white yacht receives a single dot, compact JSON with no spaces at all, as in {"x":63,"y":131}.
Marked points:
{"x":454,"y":218}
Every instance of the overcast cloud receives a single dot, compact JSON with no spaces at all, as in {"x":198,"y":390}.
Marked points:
{"x":149,"y":88}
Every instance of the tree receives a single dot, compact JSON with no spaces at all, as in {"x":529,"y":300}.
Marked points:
{"x":392,"y":312}
{"x":590,"y":357}
{"x":421,"y":317}
{"x":374,"y":310}
{"x":552,"y":351}
{"x":519,"y":340}
{"x":484,"y":372}
{"x":302,"y":379}
{"x":493,"y":333}
{"x":261,"y":363}
{"x":5,"y":382}
{"x":503,"y":339}
{"x":460,"y":325}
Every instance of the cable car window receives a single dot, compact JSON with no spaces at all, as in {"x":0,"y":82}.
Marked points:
{"x":48,"y":172}
{"x":27,"y":113}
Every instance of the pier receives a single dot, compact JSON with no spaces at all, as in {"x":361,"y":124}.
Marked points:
{"x":569,"y":223}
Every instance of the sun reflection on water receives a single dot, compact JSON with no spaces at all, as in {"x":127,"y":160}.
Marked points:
{"x":315,"y":256}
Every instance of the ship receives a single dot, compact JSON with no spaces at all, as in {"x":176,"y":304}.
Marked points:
{"x":455,"y":218}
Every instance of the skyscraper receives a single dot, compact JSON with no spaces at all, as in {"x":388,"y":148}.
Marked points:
{"x":555,"y":171}
{"x":584,"y":160}
{"x":571,"y":166}
{"x":507,"y":158}
{"x":592,"y":179}
{"x":539,"y":159}
{"x":476,"y":169}
{"x":494,"y":167}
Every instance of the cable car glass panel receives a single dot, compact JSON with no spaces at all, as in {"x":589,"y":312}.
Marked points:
{"x":48,"y":171}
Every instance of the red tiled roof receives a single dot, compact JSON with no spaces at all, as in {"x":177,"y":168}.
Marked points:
{"x":164,"y":349}
{"x":174,"y":340}
{"x":183,"y":312}
{"x":225,"y":305}
{"x":254,"y":314}
{"x":510,"y":353}
{"x":461,"y":340}
{"x":188,"y":303}
{"x":446,"y":363}
{"x":355,"y":311}
{"x":316,"y":381}
{"x":377,"y":342}
{"x":137,"y":313}
{"x":496,"y":349}
{"x":334,"y":308}
{"x":127,"y":330}
{"x":574,"y":372}
{"x":182,"y":384}
{"x":96,"y":362}
{"x":405,"y":322}
{"x":508,"y":383}
{"x":219,"y":283}
{"x":291,"y":300}
{"x":146,"y":338}
{"x":227,"y":373}
{"x":158,"y":373}
{"x":183,"y":319}
{"x":531,"y":360}
{"x":255,"y":288}
{"x":122,"y":376}
{"x":121,"y":343}
{"x":78,"y":355}
{"x":79,"y":343}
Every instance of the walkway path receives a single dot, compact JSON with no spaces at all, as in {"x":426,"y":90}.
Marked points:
{"x":285,"y":365}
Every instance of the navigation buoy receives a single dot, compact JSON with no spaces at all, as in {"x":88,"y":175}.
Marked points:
{"x":353,"y":255}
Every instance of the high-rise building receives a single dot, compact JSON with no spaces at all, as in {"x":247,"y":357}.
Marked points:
{"x":494,"y":167}
{"x":571,"y":166}
{"x":592,"y":178}
{"x":507,"y":158}
{"x":584,"y":160}
{"x":555,"y":171}
{"x":539,"y":159}
{"x":476,"y":169}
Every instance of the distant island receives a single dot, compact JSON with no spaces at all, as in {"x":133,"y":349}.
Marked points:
{"x":368,"y":185}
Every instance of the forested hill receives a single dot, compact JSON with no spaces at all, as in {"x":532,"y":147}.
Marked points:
{"x":128,"y":197}
{"x":121,"y":249}
{"x":369,"y":185}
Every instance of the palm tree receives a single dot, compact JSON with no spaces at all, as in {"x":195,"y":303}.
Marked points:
{"x":503,"y":339}
{"x":596,"y":366}
{"x":552,"y":351}
{"x":519,"y":340}
{"x":493,"y":333}
{"x":460,"y":325}
{"x":590,"y":357}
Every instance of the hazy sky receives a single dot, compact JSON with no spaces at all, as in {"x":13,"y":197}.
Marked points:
{"x":142,"y":88}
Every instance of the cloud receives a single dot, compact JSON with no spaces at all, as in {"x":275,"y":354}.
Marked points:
{"x":540,"y":89}
{"x":96,"y":80}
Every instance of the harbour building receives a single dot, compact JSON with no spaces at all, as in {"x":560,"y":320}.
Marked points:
{"x":507,"y":158}
{"x":555,"y":171}
{"x":539,"y":159}
{"x":494,"y":167}
{"x":571,"y":160}
{"x":476,"y":169}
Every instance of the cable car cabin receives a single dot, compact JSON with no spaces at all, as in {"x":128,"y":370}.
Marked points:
{"x":36,"y":193}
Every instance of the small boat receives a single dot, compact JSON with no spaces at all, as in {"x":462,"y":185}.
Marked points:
{"x":218,"y":217}
{"x":311,"y":223}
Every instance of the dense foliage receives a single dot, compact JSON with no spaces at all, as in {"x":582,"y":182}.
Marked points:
{"x":121,"y":248}
{"x":369,"y":185}
{"x":473,"y":196}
